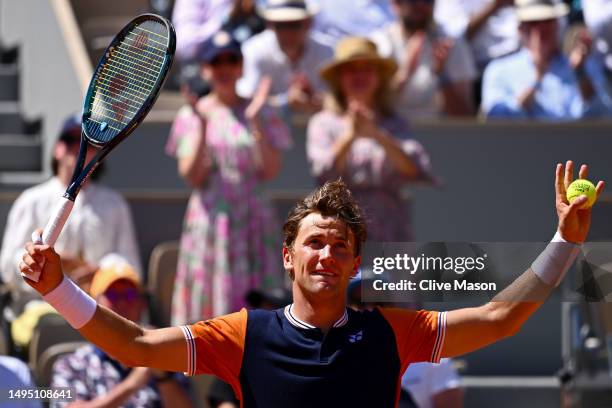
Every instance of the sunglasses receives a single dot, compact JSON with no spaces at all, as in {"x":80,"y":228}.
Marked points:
{"x":128,"y":295}
{"x":230,"y":59}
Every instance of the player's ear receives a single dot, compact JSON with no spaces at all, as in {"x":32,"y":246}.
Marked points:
{"x":287,"y":258}
{"x":356,"y":264}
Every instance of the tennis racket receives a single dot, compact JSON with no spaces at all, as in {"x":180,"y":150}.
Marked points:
{"x":122,"y":91}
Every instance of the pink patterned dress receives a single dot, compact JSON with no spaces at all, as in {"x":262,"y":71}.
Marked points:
{"x":231,"y":240}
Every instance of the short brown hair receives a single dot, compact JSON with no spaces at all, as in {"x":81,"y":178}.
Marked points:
{"x":333,"y":199}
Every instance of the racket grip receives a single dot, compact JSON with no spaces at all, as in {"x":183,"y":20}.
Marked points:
{"x":57,"y":221}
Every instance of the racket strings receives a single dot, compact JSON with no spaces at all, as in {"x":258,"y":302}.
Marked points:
{"x":129,"y":76}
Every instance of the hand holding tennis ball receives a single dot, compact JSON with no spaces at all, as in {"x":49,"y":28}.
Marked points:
{"x":582,"y":187}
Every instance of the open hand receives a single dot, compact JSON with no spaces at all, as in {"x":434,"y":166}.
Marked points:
{"x":574,"y":223}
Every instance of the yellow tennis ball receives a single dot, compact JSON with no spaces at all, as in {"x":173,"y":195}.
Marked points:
{"x":582,"y":187}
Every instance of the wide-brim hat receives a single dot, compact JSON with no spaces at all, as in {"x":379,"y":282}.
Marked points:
{"x":286,"y":10}
{"x":351,"y":49}
{"x":539,"y":10}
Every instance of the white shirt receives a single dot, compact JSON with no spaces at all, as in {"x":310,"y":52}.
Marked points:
{"x":497,"y":36}
{"x":424,"y":380}
{"x":263,"y":56}
{"x":419,"y":97}
{"x":100,"y":223}
{"x":15,"y":375}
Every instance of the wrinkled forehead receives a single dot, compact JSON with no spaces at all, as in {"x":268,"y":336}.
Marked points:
{"x":316,"y":224}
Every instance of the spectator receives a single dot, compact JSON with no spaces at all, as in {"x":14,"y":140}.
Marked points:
{"x":538,"y":81}
{"x":97,"y":379}
{"x":228,"y":241}
{"x":344,"y":18}
{"x":195,"y":21}
{"x":489,"y":27}
{"x":436,"y":73}
{"x":15,"y":375}
{"x":287,"y":52}
{"x":243,"y":22}
{"x":359,"y":138}
{"x":100,"y":221}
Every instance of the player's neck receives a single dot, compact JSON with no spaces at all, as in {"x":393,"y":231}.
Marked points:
{"x":319,"y":314}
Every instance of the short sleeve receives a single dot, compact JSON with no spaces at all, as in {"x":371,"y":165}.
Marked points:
{"x":216,"y":347}
{"x":419,"y":334}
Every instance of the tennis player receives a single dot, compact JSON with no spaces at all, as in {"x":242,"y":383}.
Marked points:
{"x":316,"y":352}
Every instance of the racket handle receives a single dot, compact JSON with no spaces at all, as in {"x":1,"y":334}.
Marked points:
{"x":56,"y":222}
{"x":52,"y":229}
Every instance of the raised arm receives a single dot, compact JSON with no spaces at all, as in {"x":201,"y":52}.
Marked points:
{"x":472,"y":328}
{"x":164,"y":349}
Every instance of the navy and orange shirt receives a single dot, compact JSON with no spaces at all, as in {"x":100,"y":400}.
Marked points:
{"x":273,"y":359}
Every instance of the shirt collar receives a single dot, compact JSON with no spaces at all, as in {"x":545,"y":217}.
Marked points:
{"x":300,"y":324}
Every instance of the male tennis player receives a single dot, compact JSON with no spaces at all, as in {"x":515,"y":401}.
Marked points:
{"x":315,"y":352}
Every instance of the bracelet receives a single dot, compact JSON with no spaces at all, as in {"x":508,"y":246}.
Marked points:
{"x":76,"y":306}
{"x":554,"y":262}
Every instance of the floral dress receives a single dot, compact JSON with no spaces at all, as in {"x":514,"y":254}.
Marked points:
{"x":373,"y":180}
{"x":230,"y":241}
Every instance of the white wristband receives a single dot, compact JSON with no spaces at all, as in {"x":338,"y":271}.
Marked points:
{"x":72,"y":302}
{"x":554,"y":262}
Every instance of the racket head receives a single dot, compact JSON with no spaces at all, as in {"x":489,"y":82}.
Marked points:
{"x":127,"y":80}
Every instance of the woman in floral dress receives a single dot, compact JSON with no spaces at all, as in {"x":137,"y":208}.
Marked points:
{"x":225,"y":149}
{"x":358,"y":137}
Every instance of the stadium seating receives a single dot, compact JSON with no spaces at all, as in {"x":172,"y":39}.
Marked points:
{"x":160,"y":282}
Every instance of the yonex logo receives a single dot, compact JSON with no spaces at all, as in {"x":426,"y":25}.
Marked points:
{"x":354,"y":338}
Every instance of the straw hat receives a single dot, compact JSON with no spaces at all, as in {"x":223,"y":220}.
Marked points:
{"x":539,"y":10}
{"x":286,"y":10}
{"x":352,"y":49}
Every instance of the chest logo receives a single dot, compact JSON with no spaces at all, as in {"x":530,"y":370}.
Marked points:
{"x":354,"y":338}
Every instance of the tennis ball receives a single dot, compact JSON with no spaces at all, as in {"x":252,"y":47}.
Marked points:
{"x":582,"y":187}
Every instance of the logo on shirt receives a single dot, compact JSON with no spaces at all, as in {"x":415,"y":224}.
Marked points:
{"x":354,"y":338}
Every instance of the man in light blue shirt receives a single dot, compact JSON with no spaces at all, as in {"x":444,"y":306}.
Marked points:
{"x":538,"y":81}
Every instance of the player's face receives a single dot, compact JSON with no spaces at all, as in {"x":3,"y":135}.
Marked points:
{"x":323,"y":256}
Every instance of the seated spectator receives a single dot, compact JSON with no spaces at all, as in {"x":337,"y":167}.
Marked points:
{"x":489,"y":27}
{"x":436,"y":73}
{"x":358,"y":137}
{"x":226,"y":158}
{"x":347,"y":18}
{"x":15,"y":375}
{"x":288,"y":53}
{"x":195,"y":21}
{"x":100,"y":222}
{"x":99,"y":380}
{"x":538,"y":81}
